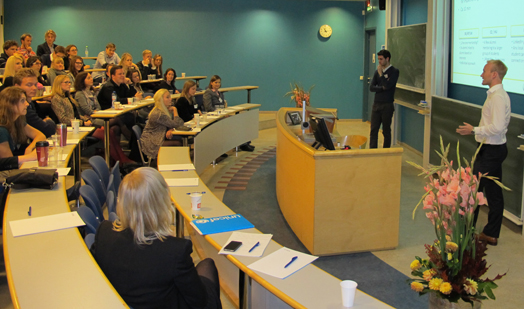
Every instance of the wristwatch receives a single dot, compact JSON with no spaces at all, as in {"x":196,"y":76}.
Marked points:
{"x":473,"y":131}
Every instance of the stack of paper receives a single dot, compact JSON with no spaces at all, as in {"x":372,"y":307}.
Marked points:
{"x":45,"y":224}
{"x":282,"y":263}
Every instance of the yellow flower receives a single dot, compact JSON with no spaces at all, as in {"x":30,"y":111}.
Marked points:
{"x":445,"y":288}
{"x":435,"y":283}
{"x":450,"y":256}
{"x":417,"y":286}
{"x":451,"y":246}
{"x":415,"y":265}
{"x":470,"y":286}
{"x":448,"y":238}
{"x":428,"y":274}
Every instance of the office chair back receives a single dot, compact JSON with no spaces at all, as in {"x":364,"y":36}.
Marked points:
{"x":111,"y":202}
{"x":99,"y":165}
{"x":91,"y":178}
{"x":117,"y":177}
{"x":89,"y":240}
{"x":138,"y":132}
{"x":91,"y":201}
{"x":89,"y":219}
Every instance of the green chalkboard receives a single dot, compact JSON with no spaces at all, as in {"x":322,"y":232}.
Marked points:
{"x":407,"y":45}
{"x":448,"y":114}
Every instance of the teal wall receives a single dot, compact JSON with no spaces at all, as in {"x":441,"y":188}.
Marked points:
{"x":376,"y":19}
{"x":265,"y":43}
{"x":411,"y":122}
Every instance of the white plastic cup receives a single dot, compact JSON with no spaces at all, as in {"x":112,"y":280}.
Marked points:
{"x":183,"y":74}
{"x":196,"y":117}
{"x":130,"y":100}
{"x":349,"y":287}
{"x":196,"y":200}
{"x":75,"y":123}
{"x":47,"y":89}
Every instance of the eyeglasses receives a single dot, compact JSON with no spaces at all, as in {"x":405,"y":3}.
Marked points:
{"x":79,"y":63}
{"x":37,"y":63}
{"x":66,"y":82}
{"x":73,"y":49}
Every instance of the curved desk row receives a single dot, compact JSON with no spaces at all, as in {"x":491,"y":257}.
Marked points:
{"x":310,"y":287}
{"x":339,"y":201}
{"x":54,"y":269}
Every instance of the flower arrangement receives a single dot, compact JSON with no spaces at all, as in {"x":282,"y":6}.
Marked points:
{"x":455,"y":262}
{"x":298,"y":95}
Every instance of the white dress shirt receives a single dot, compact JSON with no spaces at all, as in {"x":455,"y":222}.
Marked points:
{"x":495,"y":117}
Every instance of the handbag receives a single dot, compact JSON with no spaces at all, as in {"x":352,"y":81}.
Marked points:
{"x":31,"y":178}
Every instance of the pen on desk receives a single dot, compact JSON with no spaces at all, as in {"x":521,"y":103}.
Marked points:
{"x":256,"y":245}
{"x":29,"y":212}
{"x":292,"y":260}
{"x":189,"y":193}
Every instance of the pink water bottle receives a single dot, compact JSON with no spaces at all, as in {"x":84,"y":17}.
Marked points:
{"x":61,"y":131}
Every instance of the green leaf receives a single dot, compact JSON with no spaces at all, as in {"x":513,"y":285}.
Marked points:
{"x":489,"y":292}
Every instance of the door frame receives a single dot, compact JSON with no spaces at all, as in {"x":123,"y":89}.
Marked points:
{"x":366,"y":93}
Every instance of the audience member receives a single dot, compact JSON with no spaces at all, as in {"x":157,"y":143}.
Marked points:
{"x":47,"y":59}
{"x":186,"y":104}
{"x":76,"y":66}
{"x":169,"y":81}
{"x":48,"y":47}
{"x":57,"y":68}
{"x":63,"y":104}
{"x":13,"y":65}
{"x":27,"y":80}
{"x":212,"y":96}
{"x":35,"y":63}
{"x":25,"y":46}
{"x":105,"y":57}
{"x":115,"y":84}
{"x":159,"y":128}
{"x":135,"y":87}
{"x":157,"y":66}
{"x":10,"y":48}
{"x":130,"y":250}
{"x":145,"y":65}
{"x":14,"y":131}
{"x":127,"y":64}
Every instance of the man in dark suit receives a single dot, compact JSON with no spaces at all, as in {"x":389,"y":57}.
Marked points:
{"x":49,"y":46}
{"x":47,"y":59}
{"x":383,"y":83}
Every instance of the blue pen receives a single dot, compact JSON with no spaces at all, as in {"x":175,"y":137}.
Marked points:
{"x":256,"y":245}
{"x":292,"y":260}
{"x":29,"y":212}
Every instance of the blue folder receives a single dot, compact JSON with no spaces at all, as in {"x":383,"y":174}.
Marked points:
{"x":221,"y":224}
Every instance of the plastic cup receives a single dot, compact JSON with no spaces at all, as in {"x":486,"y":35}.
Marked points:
{"x":130,"y":101}
{"x":75,"y":123}
{"x":349,"y":288}
{"x":196,"y":200}
{"x":197,"y":119}
{"x":47,"y":89}
{"x":171,"y":91}
{"x":183,"y":74}
{"x":42,"y":153}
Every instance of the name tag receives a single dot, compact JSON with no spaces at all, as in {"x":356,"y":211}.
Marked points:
{"x":220,"y":100}
{"x":195,"y":106}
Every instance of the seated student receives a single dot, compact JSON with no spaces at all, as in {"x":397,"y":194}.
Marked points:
{"x":127,"y":64}
{"x":27,"y":80}
{"x":140,"y":255}
{"x":35,"y":63}
{"x":25,"y":46}
{"x":47,"y":59}
{"x":14,"y":131}
{"x":63,"y":104}
{"x":57,"y":68}
{"x":48,"y":46}
{"x":117,"y":84}
{"x":135,"y":87}
{"x":76,"y":66}
{"x":159,"y":128}
{"x":88,"y":105}
{"x":105,"y":57}
{"x":186,"y":104}
{"x":13,"y":65}
{"x":157,"y":66}
{"x":145,"y":64}
{"x":10,"y":48}
{"x":169,"y":81}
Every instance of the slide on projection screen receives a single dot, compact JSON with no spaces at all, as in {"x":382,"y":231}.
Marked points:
{"x":484,"y":30}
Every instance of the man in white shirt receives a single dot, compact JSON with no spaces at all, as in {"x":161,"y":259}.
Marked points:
{"x":492,"y":132}
{"x":105,"y":57}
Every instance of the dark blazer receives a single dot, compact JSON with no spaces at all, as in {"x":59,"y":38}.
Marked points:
{"x":104,"y":96}
{"x":3,"y":60}
{"x":165,"y":85}
{"x":46,"y":60}
{"x":186,"y":110}
{"x":43,"y":49}
{"x":8,"y":82}
{"x":160,"y":275}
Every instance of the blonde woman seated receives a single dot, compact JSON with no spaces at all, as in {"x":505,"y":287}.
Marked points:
{"x":57,"y":68}
{"x":14,"y":131}
{"x":64,"y":106}
{"x":13,"y":65}
{"x":159,"y":128}
{"x":140,"y":255}
{"x":127,"y":64}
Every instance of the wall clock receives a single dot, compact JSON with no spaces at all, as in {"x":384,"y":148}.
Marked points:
{"x":325,"y":31}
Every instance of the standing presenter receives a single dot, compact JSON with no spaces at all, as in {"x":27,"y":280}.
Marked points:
{"x":383,"y":83}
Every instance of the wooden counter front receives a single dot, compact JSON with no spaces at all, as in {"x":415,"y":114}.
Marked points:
{"x":340,"y":201}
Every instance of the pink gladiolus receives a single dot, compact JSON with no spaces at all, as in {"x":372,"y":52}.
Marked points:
{"x":482,"y":200}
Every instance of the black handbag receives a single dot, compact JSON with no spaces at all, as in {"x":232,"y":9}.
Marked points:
{"x":31,"y":178}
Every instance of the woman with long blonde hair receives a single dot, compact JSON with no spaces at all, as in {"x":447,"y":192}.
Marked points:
{"x":130,"y":250}
{"x":159,"y":128}
{"x":127,"y":64}
{"x":57,"y":68}
{"x":13,"y":65}
{"x":63,"y":104}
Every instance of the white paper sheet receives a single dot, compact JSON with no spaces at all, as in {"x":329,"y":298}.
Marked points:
{"x":62,"y":171}
{"x":196,"y":130}
{"x":45,"y":224}
{"x":176,"y":167}
{"x":182,"y":182}
{"x":274,"y":264}
{"x":248,"y":241}
{"x":81,"y":129}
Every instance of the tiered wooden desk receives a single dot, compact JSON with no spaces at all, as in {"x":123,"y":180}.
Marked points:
{"x":310,"y":287}
{"x":55,"y":269}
